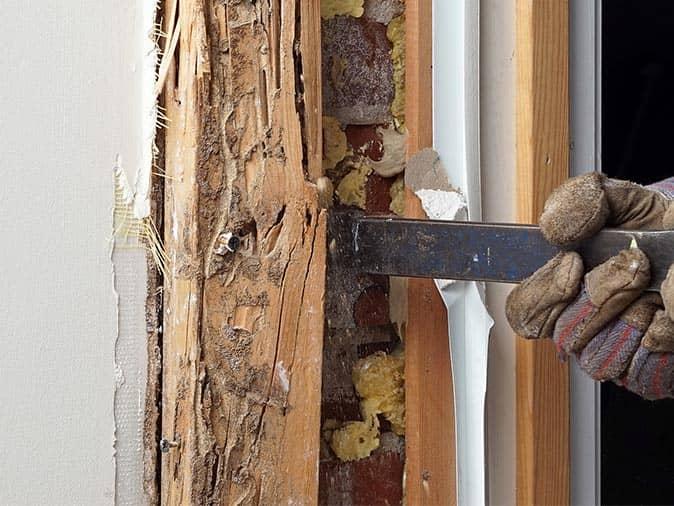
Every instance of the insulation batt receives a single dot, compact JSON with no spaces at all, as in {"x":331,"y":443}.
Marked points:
{"x":334,"y":143}
{"x":397,"y":193}
{"x":380,"y":382}
{"x":355,"y":440}
{"x":351,"y":189}
{"x":332,"y":8}
{"x":395,"y":33}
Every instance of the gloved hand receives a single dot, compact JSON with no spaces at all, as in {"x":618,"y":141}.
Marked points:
{"x":604,"y":318}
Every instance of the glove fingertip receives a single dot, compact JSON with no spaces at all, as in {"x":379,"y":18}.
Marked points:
{"x":667,"y":292}
{"x":533,"y":307}
{"x":576,"y":210}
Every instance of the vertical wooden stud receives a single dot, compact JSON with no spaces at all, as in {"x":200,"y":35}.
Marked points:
{"x":430,"y":453}
{"x":243,"y":323}
{"x":542,"y":164}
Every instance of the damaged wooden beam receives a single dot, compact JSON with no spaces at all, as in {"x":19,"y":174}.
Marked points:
{"x":243,"y":319}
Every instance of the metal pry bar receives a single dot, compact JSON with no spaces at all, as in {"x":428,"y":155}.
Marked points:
{"x":501,"y":253}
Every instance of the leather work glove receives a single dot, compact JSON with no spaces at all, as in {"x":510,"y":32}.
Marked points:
{"x":616,"y":330}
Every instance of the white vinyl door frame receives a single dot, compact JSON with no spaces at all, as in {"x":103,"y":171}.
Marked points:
{"x":585,"y":130}
{"x":456,"y":138}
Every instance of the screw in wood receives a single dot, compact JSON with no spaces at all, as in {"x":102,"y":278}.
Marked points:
{"x":165,"y":445}
{"x":226,"y":243}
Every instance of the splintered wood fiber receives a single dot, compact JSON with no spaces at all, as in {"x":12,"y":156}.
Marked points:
{"x":243,"y":327}
{"x":362,"y":418}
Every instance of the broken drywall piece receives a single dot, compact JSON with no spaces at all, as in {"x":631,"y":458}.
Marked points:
{"x":130,"y":278}
{"x":148,"y":53}
{"x":425,"y":172}
{"x":469,"y":326}
{"x":438,"y":204}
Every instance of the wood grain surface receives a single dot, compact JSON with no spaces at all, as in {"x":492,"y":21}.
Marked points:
{"x":542,"y":164}
{"x":243,"y":330}
{"x":430,"y":450}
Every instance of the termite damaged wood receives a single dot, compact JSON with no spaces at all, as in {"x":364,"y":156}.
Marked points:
{"x":243,"y":329}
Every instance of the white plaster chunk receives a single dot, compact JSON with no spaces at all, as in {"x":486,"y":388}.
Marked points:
{"x":442,"y":205}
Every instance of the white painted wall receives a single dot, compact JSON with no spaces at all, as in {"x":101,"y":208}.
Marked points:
{"x":70,"y":103}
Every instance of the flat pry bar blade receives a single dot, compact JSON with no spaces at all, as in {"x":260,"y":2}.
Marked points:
{"x":501,"y":253}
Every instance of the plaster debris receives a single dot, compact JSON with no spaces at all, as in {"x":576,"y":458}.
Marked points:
{"x":440,"y":204}
{"x":397,"y":192}
{"x":351,"y":189}
{"x":425,"y":171}
{"x":355,"y":440}
{"x":396,"y":34}
{"x":332,"y":8}
{"x":334,"y":143}
{"x":394,"y":144}
{"x":380,"y":382}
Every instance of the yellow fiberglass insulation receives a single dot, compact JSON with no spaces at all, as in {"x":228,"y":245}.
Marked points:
{"x":334,"y":143}
{"x":332,"y":8}
{"x":355,"y":440}
{"x":396,"y":34}
{"x":351,"y":189}
{"x":380,"y":382}
{"x":397,"y":193}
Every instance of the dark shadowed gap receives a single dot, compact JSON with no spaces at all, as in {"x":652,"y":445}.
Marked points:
{"x":637,"y":436}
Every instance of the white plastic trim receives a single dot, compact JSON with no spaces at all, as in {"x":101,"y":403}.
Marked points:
{"x":585,"y":129}
{"x":456,"y":138}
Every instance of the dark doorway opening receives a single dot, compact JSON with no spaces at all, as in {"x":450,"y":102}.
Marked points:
{"x":637,"y":436}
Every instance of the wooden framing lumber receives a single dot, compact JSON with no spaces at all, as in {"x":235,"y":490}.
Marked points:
{"x":430,"y":452}
{"x":243,"y":329}
{"x":542,"y":164}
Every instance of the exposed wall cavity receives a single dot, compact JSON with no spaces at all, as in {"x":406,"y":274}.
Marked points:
{"x":362,"y":456}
